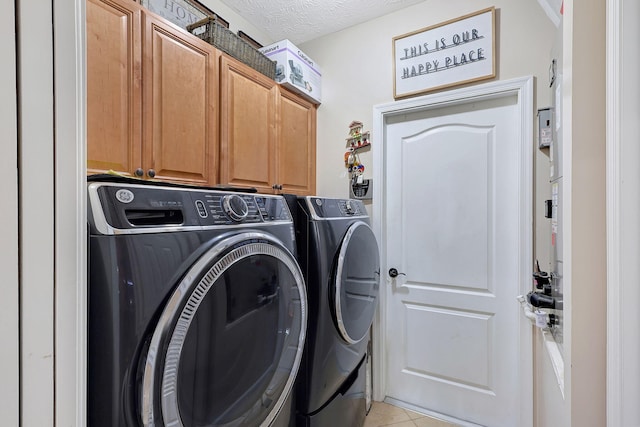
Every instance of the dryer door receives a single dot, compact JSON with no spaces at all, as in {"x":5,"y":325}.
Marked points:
{"x":357,"y":282}
{"x":228,"y":344}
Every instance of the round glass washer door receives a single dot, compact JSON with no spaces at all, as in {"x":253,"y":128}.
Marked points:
{"x":228,"y":344}
{"x":357,"y":282}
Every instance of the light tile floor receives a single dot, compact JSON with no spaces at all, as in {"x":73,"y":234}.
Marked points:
{"x":382,"y":415}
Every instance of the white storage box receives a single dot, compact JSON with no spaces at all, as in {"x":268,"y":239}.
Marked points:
{"x":295,"y":70}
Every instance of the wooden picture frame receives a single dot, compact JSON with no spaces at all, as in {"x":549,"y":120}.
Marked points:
{"x":182,"y":12}
{"x":455,"y":52}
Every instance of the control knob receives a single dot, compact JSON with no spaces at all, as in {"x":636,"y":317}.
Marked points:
{"x":235,"y":207}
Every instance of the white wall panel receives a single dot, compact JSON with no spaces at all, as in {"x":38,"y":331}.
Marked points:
{"x":37,"y":193}
{"x":9,"y":302}
{"x":623,"y":211}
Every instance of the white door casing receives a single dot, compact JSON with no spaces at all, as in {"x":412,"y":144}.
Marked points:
{"x":623,"y":201}
{"x":461,"y":232}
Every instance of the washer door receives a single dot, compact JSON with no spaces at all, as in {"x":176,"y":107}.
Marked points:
{"x":228,"y":344}
{"x":357,"y":282}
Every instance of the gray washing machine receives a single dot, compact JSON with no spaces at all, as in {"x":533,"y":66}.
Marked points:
{"x":197,"y":307}
{"x":339,"y":257}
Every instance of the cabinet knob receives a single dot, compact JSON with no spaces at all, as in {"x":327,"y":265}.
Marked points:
{"x":277,"y":186}
{"x":151,"y":173}
{"x":139,"y":172}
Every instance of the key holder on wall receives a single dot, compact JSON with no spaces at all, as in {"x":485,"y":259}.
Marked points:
{"x":359,"y":187}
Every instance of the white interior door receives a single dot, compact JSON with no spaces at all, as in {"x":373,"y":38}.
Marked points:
{"x":453,"y":229}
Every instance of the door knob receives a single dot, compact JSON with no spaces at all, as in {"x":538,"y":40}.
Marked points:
{"x":151,"y":173}
{"x":139,"y":172}
{"x":395,"y":273}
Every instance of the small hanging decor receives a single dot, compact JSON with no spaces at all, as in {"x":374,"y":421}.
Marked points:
{"x":357,"y":139}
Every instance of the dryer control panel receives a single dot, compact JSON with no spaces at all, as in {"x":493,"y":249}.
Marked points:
{"x":130,"y":207}
{"x":336,"y":208}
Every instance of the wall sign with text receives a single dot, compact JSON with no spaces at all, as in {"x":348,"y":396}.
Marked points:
{"x":458,"y":51}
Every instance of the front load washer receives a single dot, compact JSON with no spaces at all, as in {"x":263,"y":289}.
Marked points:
{"x":340,"y":260}
{"x":197,"y":307}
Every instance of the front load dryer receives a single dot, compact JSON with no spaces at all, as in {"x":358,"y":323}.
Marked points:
{"x":197,"y":307}
{"x":339,"y":257}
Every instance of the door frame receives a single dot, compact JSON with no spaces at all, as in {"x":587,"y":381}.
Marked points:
{"x":522,"y":88}
{"x":623,"y":232}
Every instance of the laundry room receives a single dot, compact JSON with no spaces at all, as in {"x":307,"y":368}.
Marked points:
{"x":255,"y":215}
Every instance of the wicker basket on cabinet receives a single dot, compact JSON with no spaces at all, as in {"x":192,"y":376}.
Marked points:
{"x":224,"y":39}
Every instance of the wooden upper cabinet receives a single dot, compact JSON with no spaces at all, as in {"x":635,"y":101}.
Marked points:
{"x":152,"y":96}
{"x":247,"y":126}
{"x":113,"y":86}
{"x":267,"y":134}
{"x":296,"y":150}
{"x":180,"y":101}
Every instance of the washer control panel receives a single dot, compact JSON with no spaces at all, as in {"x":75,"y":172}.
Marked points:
{"x":150,"y":206}
{"x":336,"y":208}
{"x":223,"y":209}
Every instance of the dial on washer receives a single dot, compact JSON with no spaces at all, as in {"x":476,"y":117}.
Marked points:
{"x":235,"y":207}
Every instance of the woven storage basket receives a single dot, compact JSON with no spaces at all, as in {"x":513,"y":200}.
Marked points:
{"x":210,"y":31}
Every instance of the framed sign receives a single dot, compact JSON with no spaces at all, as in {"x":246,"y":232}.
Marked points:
{"x":458,"y":51}
{"x":181,"y":12}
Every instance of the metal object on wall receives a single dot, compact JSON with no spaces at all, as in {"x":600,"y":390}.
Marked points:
{"x":545,"y":131}
{"x":361,"y":189}
{"x":556,"y":180}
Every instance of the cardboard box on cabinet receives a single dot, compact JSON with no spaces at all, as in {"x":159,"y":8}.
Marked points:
{"x":295,"y":70}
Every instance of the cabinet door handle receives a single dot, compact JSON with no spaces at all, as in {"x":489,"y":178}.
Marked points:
{"x":151,"y":173}
{"x":277,"y":186}
{"x":139,"y":172}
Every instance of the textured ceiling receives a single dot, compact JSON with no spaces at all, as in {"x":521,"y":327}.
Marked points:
{"x":304,"y":20}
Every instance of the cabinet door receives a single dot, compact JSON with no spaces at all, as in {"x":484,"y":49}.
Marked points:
{"x":113,"y":86}
{"x":296,"y":151}
{"x":247,"y":126}
{"x":180,"y":102}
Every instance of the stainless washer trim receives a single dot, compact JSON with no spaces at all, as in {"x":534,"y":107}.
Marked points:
{"x":341,"y":260}
{"x":194,"y":295}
